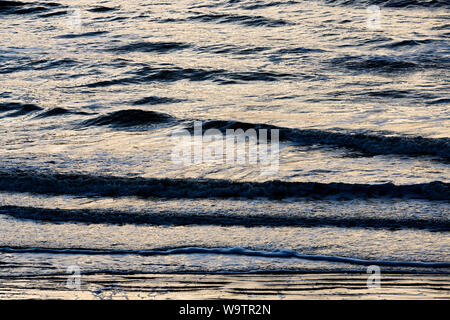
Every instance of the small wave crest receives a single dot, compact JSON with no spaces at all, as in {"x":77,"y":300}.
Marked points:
{"x":149,"y":74}
{"x":81,"y":35}
{"x":19,"y":7}
{"x":367,"y":143}
{"x":102,"y":9}
{"x":379,"y":64}
{"x":15,"y":109}
{"x":92,"y":216}
{"x":58,"y":111}
{"x":129,"y":118}
{"x":111,"y":186}
{"x":394,"y":3}
{"x":159,"y":47}
{"x":27,"y":63}
{"x":251,"y":21}
{"x":156,"y":100}
{"x":277,"y":254}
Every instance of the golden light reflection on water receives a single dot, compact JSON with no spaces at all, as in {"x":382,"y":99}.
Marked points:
{"x":323,"y":95}
{"x":317,"y":69}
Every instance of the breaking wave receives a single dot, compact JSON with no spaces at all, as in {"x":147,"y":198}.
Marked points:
{"x":19,"y":7}
{"x":129,"y":118}
{"x":58,"y":111}
{"x":149,"y":74}
{"x":15,"y":109}
{"x":156,"y":100}
{"x":91,"y":216}
{"x":89,"y":185}
{"x":159,"y":47}
{"x":393,"y":3}
{"x":278,"y":254}
{"x":251,"y":21}
{"x":367,"y":143}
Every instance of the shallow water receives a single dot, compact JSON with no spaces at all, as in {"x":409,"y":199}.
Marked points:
{"x":90,"y":95}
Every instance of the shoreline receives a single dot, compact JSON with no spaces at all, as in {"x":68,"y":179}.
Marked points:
{"x":317,"y":286}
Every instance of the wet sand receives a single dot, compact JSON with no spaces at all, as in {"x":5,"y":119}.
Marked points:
{"x":229,"y":286}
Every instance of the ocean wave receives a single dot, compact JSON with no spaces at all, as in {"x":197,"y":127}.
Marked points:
{"x":16,"y":109}
{"x":58,"y":111}
{"x":439,"y":101}
{"x":111,"y":186}
{"x":129,"y":118}
{"x":388,"y":93}
{"x":81,"y":35}
{"x":251,"y":21}
{"x":379,"y":64}
{"x":407,"y":56}
{"x":100,"y":216}
{"x":156,"y":100}
{"x":254,"y":5}
{"x":19,"y":7}
{"x":262,"y":5}
{"x":367,"y":143}
{"x":246,"y":5}
{"x":149,"y":74}
{"x":26,"y":63}
{"x":297,"y":50}
{"x":393,"y":3}
{"x":407,"y":43}
{"x":237,"y":251}
{"x":232,"y":49}
{"x":53,"y":14}
{"x":159,"y":47}
{"x":102,"y":9}
{"x":223,"y":18}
